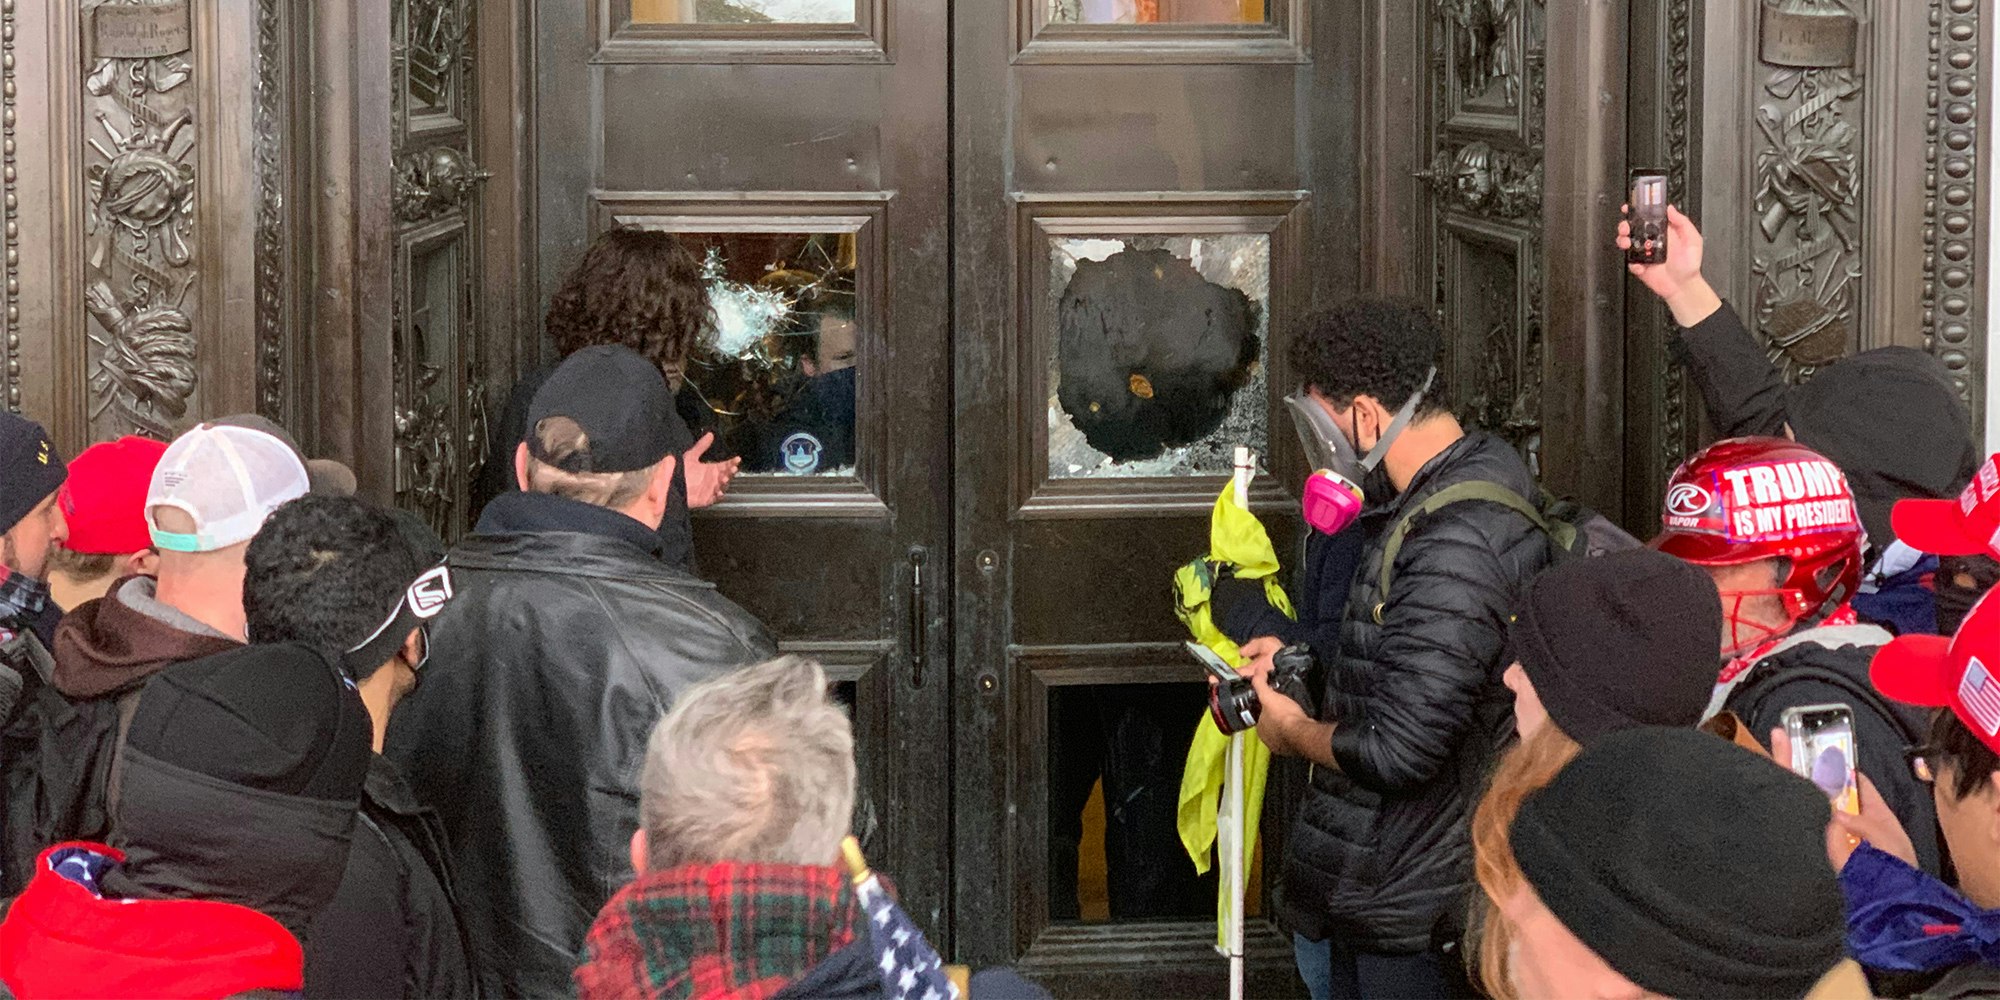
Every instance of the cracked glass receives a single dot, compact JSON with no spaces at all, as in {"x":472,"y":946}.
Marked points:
{"x":1158,"y":354}
{"x":778,"y":369}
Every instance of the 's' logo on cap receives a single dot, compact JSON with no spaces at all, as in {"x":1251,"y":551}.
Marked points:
{"x":429,"y":594}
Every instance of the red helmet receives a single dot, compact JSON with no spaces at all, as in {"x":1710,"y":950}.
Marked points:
{"x":1748,"y":499}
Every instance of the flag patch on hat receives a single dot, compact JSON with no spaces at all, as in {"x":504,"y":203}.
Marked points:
{"x":429,"y":594}
{"x":1981,"y":697}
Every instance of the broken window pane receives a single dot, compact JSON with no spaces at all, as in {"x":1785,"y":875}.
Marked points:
{"x":743,"y":11}
{"x":779,"y":366}
{"x":1158,"y":354}
{"x":1159,"y":11}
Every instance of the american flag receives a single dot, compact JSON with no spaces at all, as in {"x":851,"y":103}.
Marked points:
{"x":911,"y":969}
{"x":1980,"y":696}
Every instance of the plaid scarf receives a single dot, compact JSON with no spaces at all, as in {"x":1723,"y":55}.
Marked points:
{"x":725,"y":931}
{"x":22,"y":597}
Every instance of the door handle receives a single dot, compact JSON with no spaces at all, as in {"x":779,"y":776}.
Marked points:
{"x":919,"y":635}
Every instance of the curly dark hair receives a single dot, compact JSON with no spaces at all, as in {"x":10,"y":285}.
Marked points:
{"x":1371,"y":347}
{"x":637,"y":288}
{"x":326,"y":570}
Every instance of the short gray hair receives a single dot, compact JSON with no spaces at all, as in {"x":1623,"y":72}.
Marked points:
{"x":756,"y":765}
{"x":560,"y":438}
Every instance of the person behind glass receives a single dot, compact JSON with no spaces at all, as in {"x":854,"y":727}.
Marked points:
{"x":809,"y":427}
{"x":1599,"y":646}
{"x":1663,"y":862}
{"x":566,"y":640}
{"x":643,"y":290}
{"x":1890,"y":418}
{"x":339,"y":573}
{"x":1411,"y":707}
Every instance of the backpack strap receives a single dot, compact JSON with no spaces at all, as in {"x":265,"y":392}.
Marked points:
{"x":1466,"y":492}
{"x":1754,"y":694}
{"x":128,"y":706}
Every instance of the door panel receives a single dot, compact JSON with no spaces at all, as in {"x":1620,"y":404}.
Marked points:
{"x":1131,"y":242}
{"x":817,"y":199}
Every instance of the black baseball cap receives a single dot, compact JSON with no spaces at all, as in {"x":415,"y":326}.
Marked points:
{"x":620,"y":401}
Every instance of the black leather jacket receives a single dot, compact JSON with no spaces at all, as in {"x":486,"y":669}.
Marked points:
{"x":566,"y":642}
{"x":1381,"y":844}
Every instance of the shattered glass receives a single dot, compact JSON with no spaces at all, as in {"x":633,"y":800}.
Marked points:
{"x":743,"y":11}
{"x":777,"y":374}
{"x":1166,"y":342}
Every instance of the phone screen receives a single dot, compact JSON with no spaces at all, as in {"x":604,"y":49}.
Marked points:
{"x":1823,"y":751}
{"x":1648,"y":218}
{"x":1212,"y":662}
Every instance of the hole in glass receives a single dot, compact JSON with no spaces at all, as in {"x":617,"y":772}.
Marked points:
{"x":743,"y":11}
{"x":1158,"y":353}
{"x":779,"y":369}
{"x":1159,"y":12}
{"x":1115,"y":757}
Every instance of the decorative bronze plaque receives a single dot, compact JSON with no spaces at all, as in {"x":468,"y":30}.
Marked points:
{"x":1808,"y":38}
{"x":121,"y":31}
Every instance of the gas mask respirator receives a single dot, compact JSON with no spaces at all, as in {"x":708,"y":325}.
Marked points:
{"x":1333,"y":496}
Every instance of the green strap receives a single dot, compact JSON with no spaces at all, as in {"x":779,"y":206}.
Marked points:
{"x":1455,"y":493}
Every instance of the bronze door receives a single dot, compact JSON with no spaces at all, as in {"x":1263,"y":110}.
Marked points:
{"x":799,"y":147}
{"x":1148,"y":196}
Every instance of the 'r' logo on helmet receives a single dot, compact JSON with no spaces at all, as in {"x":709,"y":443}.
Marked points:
{"x":430,"y":593}
{"x":1689,"y":500}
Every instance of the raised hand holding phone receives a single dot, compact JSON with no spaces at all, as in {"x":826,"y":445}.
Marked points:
{"x":1678,"y":280}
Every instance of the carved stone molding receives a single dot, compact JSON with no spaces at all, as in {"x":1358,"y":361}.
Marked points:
{"x":1672,"y":386}
{"x":1952,"y":301}
{"x":140,"y":274}
{"x":10,"y":214}
{"x":273,"y":147}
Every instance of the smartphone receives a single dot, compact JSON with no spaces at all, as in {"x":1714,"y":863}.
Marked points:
{"x":1219,"y":669}
{"x":1649,"y":217}
{"x":1823,"y":751}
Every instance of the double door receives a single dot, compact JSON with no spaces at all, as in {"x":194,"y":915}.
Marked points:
{"x":1000,"y":286}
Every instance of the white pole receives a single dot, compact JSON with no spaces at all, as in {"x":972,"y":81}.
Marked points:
{"x":1232,"y":866}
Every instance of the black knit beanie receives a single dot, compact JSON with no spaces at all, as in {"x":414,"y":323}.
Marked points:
{"x":276,"y":718}
{"x":1692,"y":866}
{"x":30,"y":468}
{"x":1626,"y":639}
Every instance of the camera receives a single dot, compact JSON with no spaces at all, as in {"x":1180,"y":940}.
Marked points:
{"x":1233,"y":702}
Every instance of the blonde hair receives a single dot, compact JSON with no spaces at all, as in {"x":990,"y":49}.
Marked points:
{"x":1526,"y":769}
{"x":561,"y":438}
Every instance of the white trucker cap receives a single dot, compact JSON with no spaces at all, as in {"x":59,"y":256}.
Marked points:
{"x":229,"y":480}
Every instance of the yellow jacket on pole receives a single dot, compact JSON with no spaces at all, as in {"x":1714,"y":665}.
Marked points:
{"x":1238,"y":540}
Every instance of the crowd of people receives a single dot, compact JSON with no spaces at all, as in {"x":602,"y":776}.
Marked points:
{"x":263,"y":737}
{"x":1552,"y":765}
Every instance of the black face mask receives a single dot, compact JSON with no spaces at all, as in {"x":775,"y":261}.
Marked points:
{"x":1961,"y":582}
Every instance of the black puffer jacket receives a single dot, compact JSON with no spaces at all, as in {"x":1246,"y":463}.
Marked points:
{"x":1380,"y":846}
{"x":566,"y":642}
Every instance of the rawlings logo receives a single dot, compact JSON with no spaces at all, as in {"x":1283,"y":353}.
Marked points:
{"x":1689,"y":500}
{"x":430,"y":593}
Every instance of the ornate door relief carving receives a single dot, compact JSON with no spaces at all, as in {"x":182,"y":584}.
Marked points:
{"x":1486,"y":86}
{"x":441,"y":394}
{"x":140,"y":272}
{"x":1848,"y":146}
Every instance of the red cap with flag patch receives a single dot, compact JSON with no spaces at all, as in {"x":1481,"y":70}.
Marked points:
{"x":1969,"y":525}
{"x":1961,"y":673}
